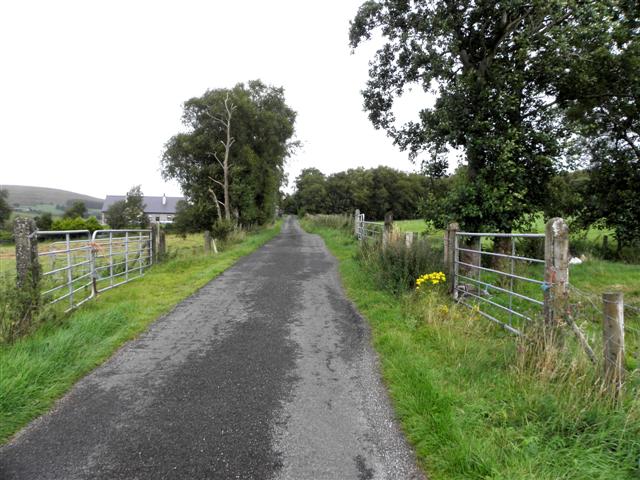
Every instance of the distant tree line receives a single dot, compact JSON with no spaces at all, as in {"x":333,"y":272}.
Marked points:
{"x":374,"y":191}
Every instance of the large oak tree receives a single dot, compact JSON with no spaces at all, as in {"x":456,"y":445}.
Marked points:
{"x":491,"y":66}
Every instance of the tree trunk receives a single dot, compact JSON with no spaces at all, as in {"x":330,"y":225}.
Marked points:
{"x":225,"y":166}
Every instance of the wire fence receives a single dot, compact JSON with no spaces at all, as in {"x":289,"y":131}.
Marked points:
{"x":587,"y":310}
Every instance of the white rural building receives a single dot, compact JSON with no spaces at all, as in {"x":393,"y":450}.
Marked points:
{"x":159,"y":209}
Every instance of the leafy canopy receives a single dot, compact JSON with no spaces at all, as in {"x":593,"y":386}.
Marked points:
{"x":489,"y":65}
{"x":77,"y":208}
{"x":262,"y":127}
{"x":128,"y":213}
{"x":5,"y":208}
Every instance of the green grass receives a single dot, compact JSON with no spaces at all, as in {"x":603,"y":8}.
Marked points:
{"x":41,"y":367}
{"x":469,"y":403}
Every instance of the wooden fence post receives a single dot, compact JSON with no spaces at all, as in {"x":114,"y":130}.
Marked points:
{"x":556,"y":273}
{"x":162,"y":244}
{"x":356,"y":223}
{"x":154,"y":242}
{"x":450,"y":254}
{"x":207,"y":241}
{"x":388,"y":229}
{"x":613,"y":336}
{"x":408,"y":239}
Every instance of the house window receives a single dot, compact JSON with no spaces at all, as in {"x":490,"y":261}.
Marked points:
{"x":157,"y":219}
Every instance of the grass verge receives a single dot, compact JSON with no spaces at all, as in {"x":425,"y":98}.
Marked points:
{"x":39,"y":368}
{"x":473,"y":403}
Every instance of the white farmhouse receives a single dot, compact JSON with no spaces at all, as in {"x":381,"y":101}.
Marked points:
{"x":159,"y":209}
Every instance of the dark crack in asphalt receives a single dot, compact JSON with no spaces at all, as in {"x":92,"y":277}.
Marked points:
{"x":265,"y":373}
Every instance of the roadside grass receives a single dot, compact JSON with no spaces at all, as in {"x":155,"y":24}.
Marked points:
{"x":476,"y":403}
{"x":39,"y":368}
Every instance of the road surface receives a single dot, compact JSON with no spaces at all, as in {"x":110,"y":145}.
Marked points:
{"x":265,"y":373}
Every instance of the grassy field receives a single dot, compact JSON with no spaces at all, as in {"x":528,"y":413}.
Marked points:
{"x":476,"y":403}
{"x":420,"y":225}
{"x":176,"y":246}
{"x":39,"y":368}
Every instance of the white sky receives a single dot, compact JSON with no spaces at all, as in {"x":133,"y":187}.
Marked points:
{"x":91,"y":91}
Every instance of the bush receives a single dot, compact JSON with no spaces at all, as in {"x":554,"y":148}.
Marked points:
{"x":21,"y":311}
{"x":6,"y":236}
{"x":222,"y":229}
{"x":78,"y":223}
{"x":397,"y":266}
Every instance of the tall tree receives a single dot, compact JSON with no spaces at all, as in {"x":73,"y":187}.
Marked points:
{"x":248,"y":128}
{"x":116,"y":216}
{"x":5,"y":208}
{"x":227,"y":143}
{"x":77,"y":208}
{"x":311,"y":192}
{"x":599,"y":88}
{"x":487,"y":64}
{"x":134,"y":208}
{"x":128,"y":213}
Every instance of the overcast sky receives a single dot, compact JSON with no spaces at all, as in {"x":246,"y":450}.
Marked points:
{"x":91,"y":91}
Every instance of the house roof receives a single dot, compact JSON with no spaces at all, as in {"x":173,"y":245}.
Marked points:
{"x":152,"y":204}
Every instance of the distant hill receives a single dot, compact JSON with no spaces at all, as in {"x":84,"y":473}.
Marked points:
{"x":42,"y":199}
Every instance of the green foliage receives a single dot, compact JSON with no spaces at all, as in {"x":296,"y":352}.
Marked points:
{"x":5,"y":208}
{"x":311,"y":191}
{"x":374,"y":191}
{"x":397,"y":266}
{"x":486,"y":63}
{"x":134,"y":209}
{"x":128,"y":213}
{"x":21,"y":311}
{"x":77,"y":209}
{"x":338,"y":222}
{"x":567,"y":192}
{"x":515,"y":84}
{"x":116,"y":215}
{"x":262,"y":128}
{"x":92,"y":224}
{"x":189,"y":219}
{"x":222,"y":229}
{"x":599,"y":89}
{"x":44,"y":221}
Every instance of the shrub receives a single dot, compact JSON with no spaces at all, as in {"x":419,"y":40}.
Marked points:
{"x":397,"y":266}
{"x":6,"y":236}
{"x":78,"y":223}
{"x":222,"y":229}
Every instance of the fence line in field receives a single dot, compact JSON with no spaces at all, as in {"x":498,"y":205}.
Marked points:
{"x":499,"y":291}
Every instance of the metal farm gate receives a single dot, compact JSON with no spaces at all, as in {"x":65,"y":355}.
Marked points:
{"x":507,"y":288}
{"x":76,"y":265}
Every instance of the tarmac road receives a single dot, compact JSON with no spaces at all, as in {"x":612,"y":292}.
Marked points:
{"x":265,"y":373}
